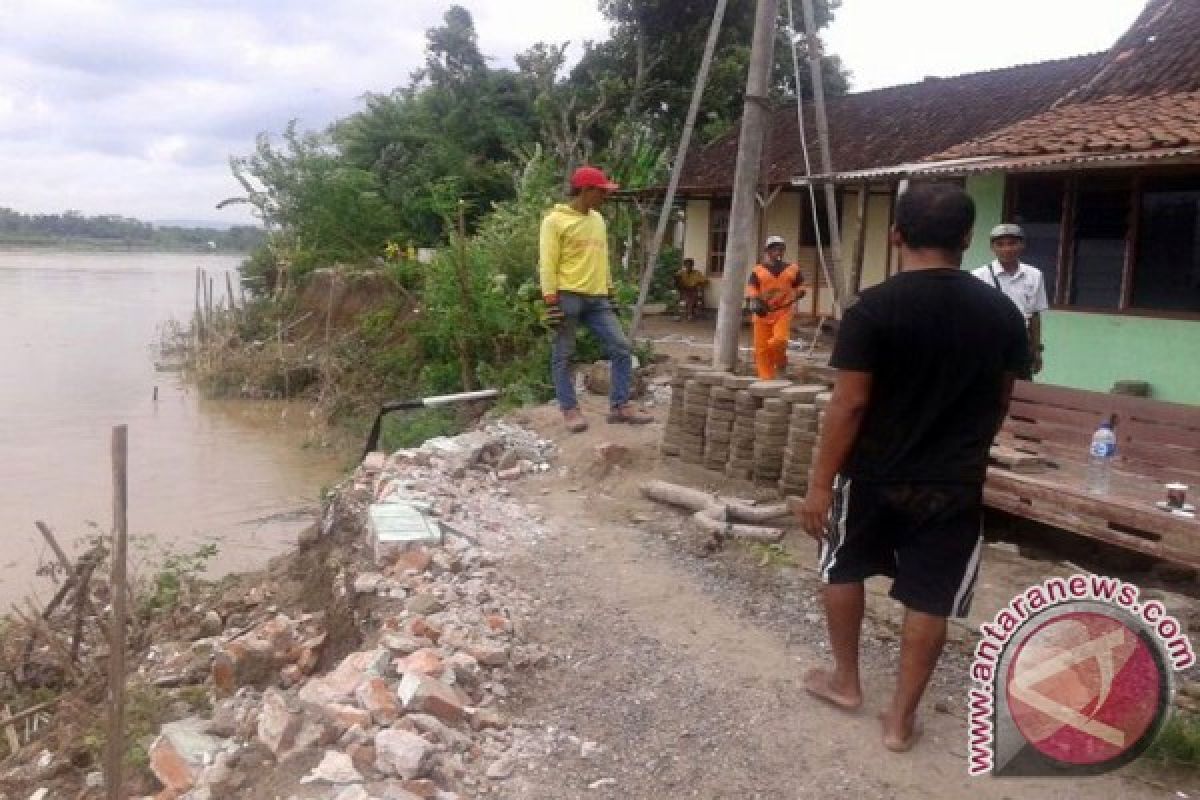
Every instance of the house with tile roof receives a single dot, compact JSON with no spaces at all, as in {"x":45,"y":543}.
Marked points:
{"x":1106,"y":183}
{"x":1097,"y":157}
{"x":871,"y":129}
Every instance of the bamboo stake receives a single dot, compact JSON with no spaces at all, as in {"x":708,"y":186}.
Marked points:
{"x":20,"y":716}
{"x":464,"y":351}
{"x":660,"y":230}
{"x":59,"y":553}
{"x":115,"y":740}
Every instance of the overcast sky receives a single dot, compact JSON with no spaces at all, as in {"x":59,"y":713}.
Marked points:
{"x":134,"y":106}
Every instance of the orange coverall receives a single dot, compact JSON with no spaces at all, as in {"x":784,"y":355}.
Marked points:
{"x":779,"y":290}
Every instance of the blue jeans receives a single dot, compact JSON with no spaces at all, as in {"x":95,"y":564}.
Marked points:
{"x":596,"y":312}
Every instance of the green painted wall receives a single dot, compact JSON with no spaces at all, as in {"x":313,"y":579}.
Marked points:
{"x":988,"y":193}
{"x":1092,"y":351}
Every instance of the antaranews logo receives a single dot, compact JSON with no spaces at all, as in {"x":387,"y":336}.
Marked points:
{"x":1073,"y":677}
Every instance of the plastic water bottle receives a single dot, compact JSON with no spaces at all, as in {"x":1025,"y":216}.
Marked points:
{"x":1100,"y":458}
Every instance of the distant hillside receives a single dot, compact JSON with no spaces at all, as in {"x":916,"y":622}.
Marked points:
{"x":110,"y":230}
{"x":206,"y":224}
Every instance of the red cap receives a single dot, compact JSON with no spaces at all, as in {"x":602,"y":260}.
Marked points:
{"x":592,"y":178}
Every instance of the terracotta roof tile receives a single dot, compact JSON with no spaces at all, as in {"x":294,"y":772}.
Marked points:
{"x":900,"y":123}
{"x":1145,"y":95}
{"x":1109,"y":124}
{"x":1159,"y":53}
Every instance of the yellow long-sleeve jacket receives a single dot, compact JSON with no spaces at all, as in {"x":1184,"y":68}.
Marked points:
{"x":573,"y":251}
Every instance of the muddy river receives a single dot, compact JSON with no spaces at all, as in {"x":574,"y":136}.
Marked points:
{"x":78,"y":352}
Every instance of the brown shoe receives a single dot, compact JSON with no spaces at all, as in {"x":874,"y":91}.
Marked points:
{"x":629,"y":415}
{"x":575,"y":421}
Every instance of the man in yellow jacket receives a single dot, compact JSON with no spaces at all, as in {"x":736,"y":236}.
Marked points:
{"x":773,"y":289}
{"x":578,"y":288}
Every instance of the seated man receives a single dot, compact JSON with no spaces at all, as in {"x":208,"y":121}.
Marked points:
{"x":691,"y":284}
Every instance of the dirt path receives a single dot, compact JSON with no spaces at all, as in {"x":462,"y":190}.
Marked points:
{"x":684,"y":670}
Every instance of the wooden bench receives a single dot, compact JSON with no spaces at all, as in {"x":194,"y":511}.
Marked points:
{"x":1157,"y":443}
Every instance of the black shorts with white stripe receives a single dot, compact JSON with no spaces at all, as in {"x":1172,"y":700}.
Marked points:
{"x":926,"y":536}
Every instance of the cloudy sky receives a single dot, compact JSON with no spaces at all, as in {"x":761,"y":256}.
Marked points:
{"x":134,"y":106}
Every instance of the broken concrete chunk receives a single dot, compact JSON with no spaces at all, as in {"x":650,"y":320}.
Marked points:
{"x":378,"y":700}
{"x":335,"y":768}
{"x":401,"y":753}
{"x":426,"y":661}
{"x":181,"y":751}
{"x":424,"y":604}
{"x":421,"y":693}
{"x":404,"y":645}
{"x":397,"y":526}
{"x":278,"y":723}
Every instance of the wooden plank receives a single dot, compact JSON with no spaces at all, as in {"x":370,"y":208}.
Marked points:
{"x":1114,"y":509}
{"x":1145,"y":432}
{"x":1015,"y":460}
{"x":1144,"y":408}
{"x":1063,"y":397}
{"x":1053,"y":453}
{"x":1092,"y":529}
{"x":1160,"y":455}
{"x":1050,"y":433}
{"x":1069,"y":417}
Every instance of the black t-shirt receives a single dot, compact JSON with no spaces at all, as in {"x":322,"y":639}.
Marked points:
{"x":937,"y":344}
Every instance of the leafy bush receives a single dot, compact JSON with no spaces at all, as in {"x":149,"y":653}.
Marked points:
{"x":411,"y":428}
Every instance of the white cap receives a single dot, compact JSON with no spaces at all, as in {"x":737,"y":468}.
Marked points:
{"x":774,"y":240}
{"x":1008,"y":229}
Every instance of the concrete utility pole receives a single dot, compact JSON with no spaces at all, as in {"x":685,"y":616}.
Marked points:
{"x":835,"y":230}
{"x":743,"y":232}
{"x":660,"y":232}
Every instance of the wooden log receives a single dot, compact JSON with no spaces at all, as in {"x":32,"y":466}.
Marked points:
{"x":697,"y":500}
{"x":721,"y":527}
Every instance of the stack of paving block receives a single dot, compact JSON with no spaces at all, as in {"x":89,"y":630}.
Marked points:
{"x":770,"y":430}
{"x":821,"y":403}
{"x":802,"y":439}
{"x":718,"y":432}
{"x":673,"y":430}
{"x":740,"y":465}
{"x":695,"y":415}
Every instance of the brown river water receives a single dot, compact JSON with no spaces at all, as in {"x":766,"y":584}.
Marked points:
{"x":78,"y":347}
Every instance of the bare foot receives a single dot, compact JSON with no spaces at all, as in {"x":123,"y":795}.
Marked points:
{"x":821,"y":683}
{"x":899,"y":736}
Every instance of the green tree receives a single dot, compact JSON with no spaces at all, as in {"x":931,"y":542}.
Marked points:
{"x":450,"y":134}
{"x":319,"y":209}
{"x":648,"y":67}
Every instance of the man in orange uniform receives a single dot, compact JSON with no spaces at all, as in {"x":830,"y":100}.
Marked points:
{"x":773,"y":289}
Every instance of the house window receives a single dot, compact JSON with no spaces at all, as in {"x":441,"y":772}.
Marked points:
{"x":1133,"y":242}
{"x":1038,"y":207}
{"x":808,"y":234}
{"x":1101,"y":230}
{"x":1167,"y":273}
{"x":718,"y":236}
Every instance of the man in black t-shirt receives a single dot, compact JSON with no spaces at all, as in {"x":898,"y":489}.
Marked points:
{"x":925,"y":363}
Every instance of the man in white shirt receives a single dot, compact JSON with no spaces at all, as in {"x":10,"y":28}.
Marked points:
{"x":1022,"y":283}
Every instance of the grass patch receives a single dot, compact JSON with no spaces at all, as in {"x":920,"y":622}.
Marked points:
{"x":1179,"y":743}
{"x":773,"y":555}
{"x":404,"y":429}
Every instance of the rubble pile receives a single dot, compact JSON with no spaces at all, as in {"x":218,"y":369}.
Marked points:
{"x":417,"y":713}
